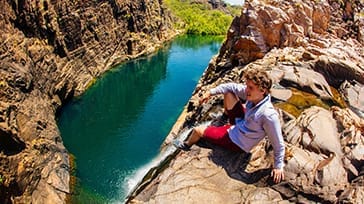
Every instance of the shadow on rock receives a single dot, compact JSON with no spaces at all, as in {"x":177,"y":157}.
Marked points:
{"x":235,"y":163}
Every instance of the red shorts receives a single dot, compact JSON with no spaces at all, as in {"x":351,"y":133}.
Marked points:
{"x":220,"y":137}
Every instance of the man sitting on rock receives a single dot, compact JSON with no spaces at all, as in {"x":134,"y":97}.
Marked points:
{"x":246,"y":128}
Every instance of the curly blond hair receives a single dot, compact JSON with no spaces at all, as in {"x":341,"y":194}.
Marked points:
{"x":259,"y":77}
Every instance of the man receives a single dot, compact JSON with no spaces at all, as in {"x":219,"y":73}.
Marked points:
{"x":247,"y":129}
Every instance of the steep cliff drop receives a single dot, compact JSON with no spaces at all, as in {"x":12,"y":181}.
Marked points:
{"x":50,"y":52}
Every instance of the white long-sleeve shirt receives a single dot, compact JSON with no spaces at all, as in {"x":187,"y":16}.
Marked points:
{"x":259,"y":121}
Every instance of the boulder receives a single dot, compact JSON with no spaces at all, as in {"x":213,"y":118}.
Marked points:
{"x":311,"y":49}
{"x":316,"y":130}
{"x":354,"y":95}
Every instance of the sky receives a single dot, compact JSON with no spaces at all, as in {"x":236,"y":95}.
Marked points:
{"x":235,"y":2}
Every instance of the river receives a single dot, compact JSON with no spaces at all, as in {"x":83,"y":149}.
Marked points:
{"x":118,"y":125}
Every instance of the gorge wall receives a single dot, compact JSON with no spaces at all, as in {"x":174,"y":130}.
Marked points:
{"x":314,"y":52}
{"x":51,"y":51}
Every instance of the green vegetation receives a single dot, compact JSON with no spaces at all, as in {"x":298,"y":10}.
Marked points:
{"x":201,"y":18}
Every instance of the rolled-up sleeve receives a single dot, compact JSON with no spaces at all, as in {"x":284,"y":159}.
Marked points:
{"x":238,"y":89}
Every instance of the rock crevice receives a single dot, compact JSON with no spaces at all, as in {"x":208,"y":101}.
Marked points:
{"x":313,"y":49}
{"x":51,"y":51}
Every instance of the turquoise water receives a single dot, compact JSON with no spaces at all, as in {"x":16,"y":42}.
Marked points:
{"x":118,"y":125}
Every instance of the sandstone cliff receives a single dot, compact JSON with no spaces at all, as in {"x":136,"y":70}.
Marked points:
{"x":314,"y":50}
{"x":51,"y":51}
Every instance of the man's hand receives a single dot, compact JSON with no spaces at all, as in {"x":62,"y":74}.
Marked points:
{"x":204,"y":97}
{"x":278,"y":175}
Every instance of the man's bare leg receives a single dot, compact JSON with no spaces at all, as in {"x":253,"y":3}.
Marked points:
{"x":196,"y":135}
{"x":230,"y":100}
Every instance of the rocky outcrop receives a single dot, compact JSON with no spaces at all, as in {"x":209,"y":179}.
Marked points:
{"x":313,"y":49}
{"x":51,"y":51}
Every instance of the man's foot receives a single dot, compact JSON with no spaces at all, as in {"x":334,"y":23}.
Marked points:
{"x":181,"y":145}
{"x":220,"y":120}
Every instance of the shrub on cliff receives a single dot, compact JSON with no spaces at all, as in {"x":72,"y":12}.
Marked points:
{"x":200,"y":18}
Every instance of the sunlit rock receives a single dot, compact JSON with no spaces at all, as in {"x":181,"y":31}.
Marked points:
{"x":50,"y":52}
{"x":312,"y":49}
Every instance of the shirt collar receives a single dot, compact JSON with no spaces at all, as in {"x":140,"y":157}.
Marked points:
{"x":264,"y":100}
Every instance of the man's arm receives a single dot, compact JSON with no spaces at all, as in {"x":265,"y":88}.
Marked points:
{"x":237,"y":89}
{"x":272,"y":128}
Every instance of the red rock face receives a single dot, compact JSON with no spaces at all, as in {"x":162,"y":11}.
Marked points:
{"x":51,"y":51}
{"x":315,"y":50}
{"x":288,"y":24}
